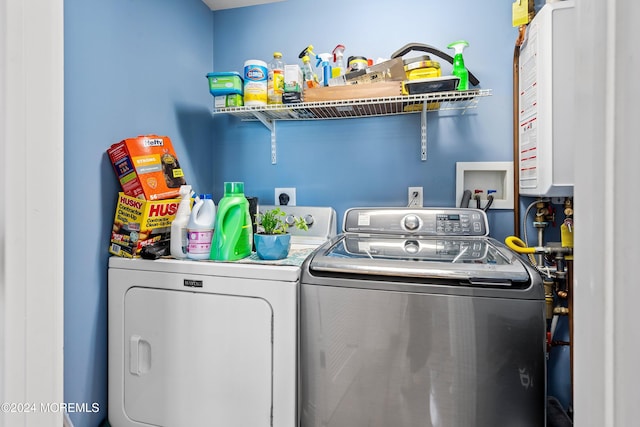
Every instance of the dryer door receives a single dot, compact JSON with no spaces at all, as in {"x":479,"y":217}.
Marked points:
{"x":197,"y":359}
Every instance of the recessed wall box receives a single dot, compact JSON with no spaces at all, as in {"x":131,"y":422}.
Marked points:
{"x":494,"y":177}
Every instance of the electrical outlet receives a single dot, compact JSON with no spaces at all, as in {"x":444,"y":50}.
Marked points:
{"x":415,"y":197}
{"x":285,"y":196}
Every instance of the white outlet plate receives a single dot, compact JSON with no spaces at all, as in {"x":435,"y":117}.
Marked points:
{"x":415,"y":201}
{"x":291,"y":192}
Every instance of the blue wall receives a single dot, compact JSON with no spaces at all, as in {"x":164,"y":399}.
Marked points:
{"x":367,"y":161}
{"x":131,"y":68}
{"x":138,"y":66}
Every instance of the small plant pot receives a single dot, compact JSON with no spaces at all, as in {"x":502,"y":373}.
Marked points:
{"x":272,"y":246}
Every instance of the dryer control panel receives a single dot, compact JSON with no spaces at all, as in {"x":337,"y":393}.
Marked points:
{"x":417,"y":221}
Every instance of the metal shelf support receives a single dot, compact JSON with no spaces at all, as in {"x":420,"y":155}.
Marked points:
{"x":271,"y":125}
{"x":423,"y":133}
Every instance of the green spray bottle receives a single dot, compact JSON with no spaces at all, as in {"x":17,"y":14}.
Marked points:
{"x":459,"y":70}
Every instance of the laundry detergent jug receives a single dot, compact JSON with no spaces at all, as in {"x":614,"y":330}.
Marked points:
{"x":233,"y":233}
{"x":200,"y":227}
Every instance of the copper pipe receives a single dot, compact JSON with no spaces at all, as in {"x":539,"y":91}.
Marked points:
{"x":516,"y":131}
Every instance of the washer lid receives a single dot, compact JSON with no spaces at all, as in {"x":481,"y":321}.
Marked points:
{"x":476,"y":260}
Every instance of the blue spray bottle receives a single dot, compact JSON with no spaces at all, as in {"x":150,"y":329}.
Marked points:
{"x":324,"y":60}
{"x":459,"y":70}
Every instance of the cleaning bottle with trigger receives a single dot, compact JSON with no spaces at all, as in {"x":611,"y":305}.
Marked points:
{"x":309,"y":77}
{"x":307,"y":51}
{"x":338,"y":68}
{"x":324,"y":61}
{"x":459,"y":70}
{"x":179,"y":239}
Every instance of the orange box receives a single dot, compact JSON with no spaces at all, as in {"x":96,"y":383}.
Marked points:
{"x":147,"y":167}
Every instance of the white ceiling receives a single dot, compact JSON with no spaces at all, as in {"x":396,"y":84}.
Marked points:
{"x":230,"y":4}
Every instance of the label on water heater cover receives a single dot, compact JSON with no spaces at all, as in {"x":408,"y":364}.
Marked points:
{"x":528,"y":114}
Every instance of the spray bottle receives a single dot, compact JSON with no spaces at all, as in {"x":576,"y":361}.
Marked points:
{"x":338,"y":68}
{"x":309,"y":77}
{"x":324,"y":62}
{"x":459,"y":70}
{"x":307,"y":51}
{"x":179,"y":239}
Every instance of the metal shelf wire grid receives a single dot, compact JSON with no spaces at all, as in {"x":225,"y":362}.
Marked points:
{"x":365,"y":107}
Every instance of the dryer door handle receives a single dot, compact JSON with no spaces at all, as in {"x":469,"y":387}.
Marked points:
{"x":139,"y":355}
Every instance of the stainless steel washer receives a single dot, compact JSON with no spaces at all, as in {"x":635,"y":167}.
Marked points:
{"x":416,"y":318}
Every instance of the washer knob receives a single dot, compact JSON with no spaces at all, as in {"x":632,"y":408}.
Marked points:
{"x":411,"y":222}
{"x":308,"y":219}
{"x":290,"y":220}
{"x":411,"y":247}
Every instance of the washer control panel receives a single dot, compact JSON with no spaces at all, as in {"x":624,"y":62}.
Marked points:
{"x":417,"y":221}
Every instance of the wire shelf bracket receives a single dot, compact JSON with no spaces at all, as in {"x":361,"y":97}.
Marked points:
{"x":271,"y":125}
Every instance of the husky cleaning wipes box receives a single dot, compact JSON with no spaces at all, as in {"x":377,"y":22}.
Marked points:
{"x":139,"y":223}
{"x":147,"y":167}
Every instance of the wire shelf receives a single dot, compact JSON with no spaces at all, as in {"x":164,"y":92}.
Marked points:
{"x":269,"y":115}
{"x":365,"y":107}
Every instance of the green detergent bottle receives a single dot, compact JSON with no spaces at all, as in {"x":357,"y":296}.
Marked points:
{"x":459,"y":70}
{"x":233,"y":232}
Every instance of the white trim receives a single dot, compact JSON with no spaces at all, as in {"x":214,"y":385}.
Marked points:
{"x":32,"y":141}
{"x":606,"y":341}
{"x":3,"y":224}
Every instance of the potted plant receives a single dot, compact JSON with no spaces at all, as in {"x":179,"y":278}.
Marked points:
{"x":272,"y":238}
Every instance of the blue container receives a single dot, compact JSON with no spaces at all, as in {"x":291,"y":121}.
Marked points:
{"x":272,"y":246}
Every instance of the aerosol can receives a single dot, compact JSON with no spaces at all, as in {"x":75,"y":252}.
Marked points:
{"x":459,"y":70}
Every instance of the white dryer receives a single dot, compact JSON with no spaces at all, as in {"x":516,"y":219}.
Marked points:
{"x":195,"y":343}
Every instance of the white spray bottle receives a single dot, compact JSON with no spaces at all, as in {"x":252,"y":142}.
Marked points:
{"x":179,"y":225}
{"x":338,"y":54}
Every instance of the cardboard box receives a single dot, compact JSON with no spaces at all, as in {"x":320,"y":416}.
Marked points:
{"x":147,"y":167}
{"x":138,"y":223}
{"x":360,"y":91}
{"x":391,"y":70}
{"x":293,"y":78}
{"x":225,"y":101}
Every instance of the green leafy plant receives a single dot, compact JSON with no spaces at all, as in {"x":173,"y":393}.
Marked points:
{"x":273,"y":222}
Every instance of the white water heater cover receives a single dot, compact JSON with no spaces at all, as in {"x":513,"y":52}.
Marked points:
{"x":546,"y":100}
